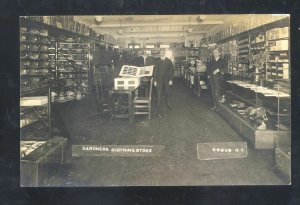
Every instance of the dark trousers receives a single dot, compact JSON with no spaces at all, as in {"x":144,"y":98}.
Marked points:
{"x":163,"y":89}
{"x":215,"y":86}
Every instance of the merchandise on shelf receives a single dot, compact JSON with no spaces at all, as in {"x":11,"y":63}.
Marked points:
{"x":34,"y":57}
{"x":72,"y":69}
{"x":255,"y":44}
{"x":278,"y":45}
{"x":277,"y":33}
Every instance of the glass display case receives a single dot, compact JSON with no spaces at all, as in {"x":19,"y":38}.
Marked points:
{"x":35,"y":114}
{"x":258,"y":101}
{"x":37,"y":159}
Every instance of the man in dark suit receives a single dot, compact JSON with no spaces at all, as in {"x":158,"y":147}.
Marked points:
{"x":163,"y":74}
{"x":215,"y":72}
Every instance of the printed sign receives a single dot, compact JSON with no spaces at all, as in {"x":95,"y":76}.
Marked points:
{"x":117,"y":150}
{"x":221,"y":150}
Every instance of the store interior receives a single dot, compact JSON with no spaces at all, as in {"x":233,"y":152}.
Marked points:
{"x":96,"y":81}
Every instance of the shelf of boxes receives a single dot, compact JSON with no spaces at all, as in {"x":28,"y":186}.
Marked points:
{"x":63,"y":25}
{"x":242,"y":55}
{"x":36,"y":54}
{"x":278,"y":47}
{"x":72,"y":70}
{"x":234,"y":33}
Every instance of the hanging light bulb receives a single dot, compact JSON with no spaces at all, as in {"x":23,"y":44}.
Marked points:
{"x":190,"y":29}
{"x":120,"y":31}
{"x":99,"y":19}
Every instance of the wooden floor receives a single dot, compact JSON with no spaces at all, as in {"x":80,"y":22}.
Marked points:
{"x":189,"y":122}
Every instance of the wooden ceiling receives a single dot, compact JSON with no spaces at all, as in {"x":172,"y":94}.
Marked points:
{"x":161,"y":27}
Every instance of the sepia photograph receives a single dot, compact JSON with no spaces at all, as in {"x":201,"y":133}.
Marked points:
{"x":155,"y":100}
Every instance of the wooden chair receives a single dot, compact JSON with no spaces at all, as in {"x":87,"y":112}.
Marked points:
{"x":142,"y":105}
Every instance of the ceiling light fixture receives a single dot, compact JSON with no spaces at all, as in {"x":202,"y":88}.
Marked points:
{"x":98,"y":19}
{"x":201,"y":18}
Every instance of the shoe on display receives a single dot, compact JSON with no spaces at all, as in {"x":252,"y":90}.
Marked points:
{"x":223,"y":99}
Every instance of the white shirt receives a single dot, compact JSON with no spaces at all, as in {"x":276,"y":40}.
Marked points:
{"x":217,"y":59}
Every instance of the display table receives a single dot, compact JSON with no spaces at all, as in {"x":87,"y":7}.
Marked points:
{"x":35,"y":166}
{"x":198,"y":87}
{"x":193,"y":80}
{"x":121,"y":103}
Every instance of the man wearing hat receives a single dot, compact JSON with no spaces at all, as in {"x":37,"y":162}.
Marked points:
{"x":163,"y":74}
{"x":215,"y":71}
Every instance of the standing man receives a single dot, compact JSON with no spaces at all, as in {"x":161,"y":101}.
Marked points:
{"x":163,"y":75}
{"x":215,"y":71}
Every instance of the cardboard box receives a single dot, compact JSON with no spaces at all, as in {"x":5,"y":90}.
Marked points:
{"x":47,"y":20}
